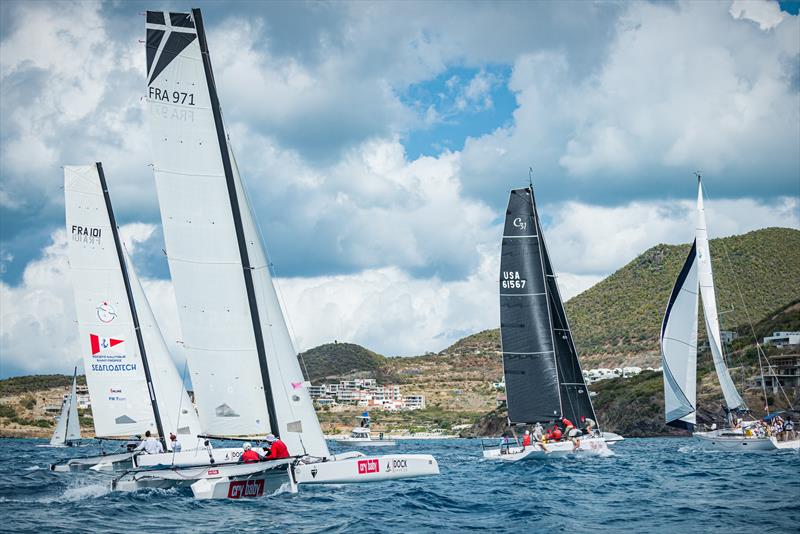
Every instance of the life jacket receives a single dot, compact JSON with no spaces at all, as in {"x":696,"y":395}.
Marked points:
{"x":526,"y":440}
{"x":249,"y":456}
{"x":556,"y":434}
{"x":278,"y":450}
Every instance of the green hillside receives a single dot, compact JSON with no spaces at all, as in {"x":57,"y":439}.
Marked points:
{"x":623,"y":313}
{"x":340,"y":359}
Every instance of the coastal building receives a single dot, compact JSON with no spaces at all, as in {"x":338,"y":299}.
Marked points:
{"x":727,"y":336}
{"x":415,"y":402}
{"x":317,"y":391}
{"x":785,"y":372}
{"x":783,"y":339}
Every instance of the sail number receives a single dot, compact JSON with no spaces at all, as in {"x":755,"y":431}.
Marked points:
{"x":175,"y":97}
{"x":512,"y":280}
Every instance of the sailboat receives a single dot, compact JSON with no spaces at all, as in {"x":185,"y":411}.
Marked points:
{"x":544,"y":382}
{"x":360,"y":435}
{"x":68,"y":427}
{"x":131,"y":378}
{"x":679,"y":352}
{"x":244,"y":369}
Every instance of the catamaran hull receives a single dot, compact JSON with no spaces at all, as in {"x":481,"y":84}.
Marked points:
{"x":558,"y":449}
{"x":240,"y":480}
{"x":105,"y":462}
{"x":190,"y":458}
{"x":366,"y":469}
{"x":715,"y":441}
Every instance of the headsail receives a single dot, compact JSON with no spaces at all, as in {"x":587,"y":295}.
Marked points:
{"x":679,"y":347}
{"x":543,"y":376}
{"x":706,"y":281}
{"x":60,"y":433}
{"x":131,"y":377}
{"x":244,"y":368}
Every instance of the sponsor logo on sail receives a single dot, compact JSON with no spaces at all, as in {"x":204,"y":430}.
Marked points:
{"x":106,"y":312}
{"x":246,"y":488}
{"x":366,"y":467}
{"x":519,"y":223}
{"x":102,"y":343}
{"x":86,"y":234}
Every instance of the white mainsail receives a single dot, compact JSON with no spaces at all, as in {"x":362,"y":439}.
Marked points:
{"x":679,"y":347}
{"x":244,"y":368}
{"x":73,"y":422}
{"x":114,"y":371}
{"x":706,"y":281}
{"x":122,"y":401}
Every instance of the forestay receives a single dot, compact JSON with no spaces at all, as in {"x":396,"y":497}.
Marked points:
{"x":679,"y":347}
{"x":244,"y":369}
{"x":114,"y":371}
{"x":706,"y":282}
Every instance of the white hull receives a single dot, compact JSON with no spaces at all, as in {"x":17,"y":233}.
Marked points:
{"x":360,"y":442}
{"x":360,"y":468}
{"x":556,"y":449}
{"x":611,"y":438}
{"x":119,"y":461}
{"x":273,"y":474}
{"x":194,"y":457}
{"x":725,"y":440}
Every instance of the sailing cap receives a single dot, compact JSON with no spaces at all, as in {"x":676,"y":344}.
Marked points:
{"x":270,"y":438}
{"x":247,"y":446}
{"x":527,"y":432}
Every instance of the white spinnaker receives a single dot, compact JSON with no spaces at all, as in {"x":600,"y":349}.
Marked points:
{"x":73,"y":423}
{"x":60,"y":433}
{"x":292,"y":400}
{"x":203,"y":254}
{"x":679,"y":346}
{"x":114,"y":371}
{"x":174,"y":406}
{"x":706,"y":280}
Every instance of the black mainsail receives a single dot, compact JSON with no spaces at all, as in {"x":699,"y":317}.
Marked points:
{"x":543,"y":376}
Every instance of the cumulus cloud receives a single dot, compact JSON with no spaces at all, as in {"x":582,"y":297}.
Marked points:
{"x":766,"y":13}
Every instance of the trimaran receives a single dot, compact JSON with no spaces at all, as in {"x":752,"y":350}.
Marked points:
{"x":244,"y":369}
{"x":544,"y":382}
{"x":679,"y":352}
{"x":68,"y":427}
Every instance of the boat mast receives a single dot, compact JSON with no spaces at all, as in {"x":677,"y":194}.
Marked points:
{"x":237,"y":222}
{"x":134,"y":316}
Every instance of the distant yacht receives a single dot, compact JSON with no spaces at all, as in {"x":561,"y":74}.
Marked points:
{"x":360,"y":436}
{"x":679,"y":355}
{"x":68,"y":427}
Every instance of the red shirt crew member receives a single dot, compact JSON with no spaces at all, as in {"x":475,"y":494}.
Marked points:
{"x":277,"y":448}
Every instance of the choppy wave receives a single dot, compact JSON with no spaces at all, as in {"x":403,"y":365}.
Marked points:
{"x":653,"y":485}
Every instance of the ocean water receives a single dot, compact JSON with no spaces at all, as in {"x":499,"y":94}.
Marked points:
{"x":648,"y":485}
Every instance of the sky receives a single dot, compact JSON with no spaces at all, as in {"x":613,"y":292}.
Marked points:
{"x":379,"y":140}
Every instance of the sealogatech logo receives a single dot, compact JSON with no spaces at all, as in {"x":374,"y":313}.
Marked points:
{"x":366,"y":467}
{"x":246,"y":488}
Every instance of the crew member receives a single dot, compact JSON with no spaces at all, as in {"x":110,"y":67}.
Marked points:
{"x":176,"y":445}
{"x":150,"y":445}
{"x":538,"y":432}
{"x":526,"y":439}
{"x":250,"y":456}
{"x":588,"y":425}
{"x":277,"y":448}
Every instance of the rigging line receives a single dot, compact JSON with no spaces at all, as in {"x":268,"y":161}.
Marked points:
{"x":750,"y":323}
{"x":180,"y":405}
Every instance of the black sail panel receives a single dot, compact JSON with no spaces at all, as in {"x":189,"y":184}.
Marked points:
{"x":575,"y":399}
{"x":529,"y":363}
